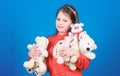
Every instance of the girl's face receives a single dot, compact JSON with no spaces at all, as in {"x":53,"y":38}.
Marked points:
{"x":63,"y":23}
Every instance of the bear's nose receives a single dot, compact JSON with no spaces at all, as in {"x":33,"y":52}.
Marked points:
{"x":29,"y":69}
{"x":88,"y":49}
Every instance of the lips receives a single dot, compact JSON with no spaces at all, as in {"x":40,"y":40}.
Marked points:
{"x":60,"y":27}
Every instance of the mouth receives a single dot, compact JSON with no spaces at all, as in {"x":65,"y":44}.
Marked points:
{"x":60,"y":27}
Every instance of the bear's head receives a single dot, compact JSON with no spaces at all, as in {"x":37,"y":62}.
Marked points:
{"x":87,"y":45}
{"x":77,"y":27}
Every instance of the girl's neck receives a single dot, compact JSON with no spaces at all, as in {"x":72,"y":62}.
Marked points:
{"x":61,"y":33}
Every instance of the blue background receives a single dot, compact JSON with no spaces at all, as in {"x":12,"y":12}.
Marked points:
{"x":22,"y":20}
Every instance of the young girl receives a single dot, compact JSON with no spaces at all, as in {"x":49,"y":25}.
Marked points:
{"x":65,"y":16}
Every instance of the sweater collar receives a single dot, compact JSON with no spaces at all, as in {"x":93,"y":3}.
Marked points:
{"x":60,"y":35}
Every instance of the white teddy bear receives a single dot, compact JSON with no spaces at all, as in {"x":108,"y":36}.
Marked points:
{"x":78,"y":40}
{"x":76,"y":29}
{"x":87,"y":45}
{"x":70,"y":42}
{"x":38,"y":65}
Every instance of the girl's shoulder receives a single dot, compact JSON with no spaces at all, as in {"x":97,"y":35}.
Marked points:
{"x":51,"y":37}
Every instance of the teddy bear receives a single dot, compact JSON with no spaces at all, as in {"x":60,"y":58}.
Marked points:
{"x":87,"y":45}
{"x":71,"y":42}
{"x":76,"y":29}
{"x":38,"y":65}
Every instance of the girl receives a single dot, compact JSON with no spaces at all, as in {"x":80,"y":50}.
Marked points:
{"x":65,"y":16}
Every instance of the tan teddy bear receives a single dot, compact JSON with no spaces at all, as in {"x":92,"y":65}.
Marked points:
{"x":38,"y":65}
{"x":70,"y":42}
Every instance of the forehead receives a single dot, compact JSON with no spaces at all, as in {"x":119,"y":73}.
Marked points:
{"x":63,"y":14}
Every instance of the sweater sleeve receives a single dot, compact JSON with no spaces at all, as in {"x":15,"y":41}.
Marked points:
{"x":82,"y":62}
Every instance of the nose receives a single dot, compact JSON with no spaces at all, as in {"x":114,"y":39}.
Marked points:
{"x":88,"y":49}
{"x":60,"y":22}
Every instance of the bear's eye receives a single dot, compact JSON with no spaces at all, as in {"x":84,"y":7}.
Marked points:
{"x":81,"y":37}
{"x":78,"y":26}
{"x":60,"y":42}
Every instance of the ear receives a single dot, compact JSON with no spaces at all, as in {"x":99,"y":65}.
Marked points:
{"x":37,"y":38}
{"x":95,"y":46}
{"x":81,"y":24}
{"x":29,"y":46}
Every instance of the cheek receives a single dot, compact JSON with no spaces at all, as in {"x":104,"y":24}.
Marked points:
{"x":68,"y":27}
{"x":56,"y":22}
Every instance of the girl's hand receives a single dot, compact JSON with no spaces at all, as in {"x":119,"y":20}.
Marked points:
{"x":34,"y":52}
{"x":67,"y":52}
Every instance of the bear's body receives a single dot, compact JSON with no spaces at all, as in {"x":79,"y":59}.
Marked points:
{"x":38,"y":65}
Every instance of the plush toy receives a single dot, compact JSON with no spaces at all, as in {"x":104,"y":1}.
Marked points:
{"x":87,"y":45}
{"x":76,"y":29}
{"x":38,"y":65}
{"x":70,"y":42}
{"x":56,"y":52}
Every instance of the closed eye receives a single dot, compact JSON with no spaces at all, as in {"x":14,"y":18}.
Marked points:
{"x":58,"y":19}
{"x":64,"y":20}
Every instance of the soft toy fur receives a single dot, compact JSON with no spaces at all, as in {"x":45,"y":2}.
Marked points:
{"x":78,"y":40}
{"x":38,"y":65}
{"x":70,"y":42}
{"x":87,"y":45}
{"x":76,"y":29}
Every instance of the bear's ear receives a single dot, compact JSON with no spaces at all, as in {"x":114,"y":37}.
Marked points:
{"x":81,"y":24}
{"x":95,"y":47}
{"x":37,"y":38}
{"x":29,"y":46}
